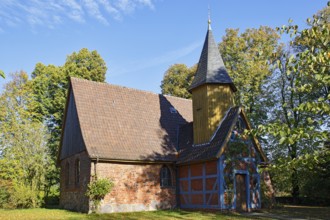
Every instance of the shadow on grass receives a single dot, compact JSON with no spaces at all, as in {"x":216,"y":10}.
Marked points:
{"x":284,"y":213}
{"x":293,"y":212}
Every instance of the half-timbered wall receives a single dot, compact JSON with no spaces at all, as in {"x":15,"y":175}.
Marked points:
{"x":199,"y":185}
{"x":230,"y":182}
{"x":240,"y":159}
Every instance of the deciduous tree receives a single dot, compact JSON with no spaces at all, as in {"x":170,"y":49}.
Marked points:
{"x":177,"y":80}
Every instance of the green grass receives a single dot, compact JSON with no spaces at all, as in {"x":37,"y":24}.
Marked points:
{"x":52,"y":214}
{"x":287,"y":212}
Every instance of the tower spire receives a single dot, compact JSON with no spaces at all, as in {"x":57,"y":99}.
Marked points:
{"x":212,"y":91}
{"x":211,"y":69}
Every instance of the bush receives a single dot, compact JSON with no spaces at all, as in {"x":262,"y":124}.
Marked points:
{"x":97,"y":189}
{"x":5,"y":191}
{"x":25,"y":197}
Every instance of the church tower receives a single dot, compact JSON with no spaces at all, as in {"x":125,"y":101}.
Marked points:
{"x":212,"y":91}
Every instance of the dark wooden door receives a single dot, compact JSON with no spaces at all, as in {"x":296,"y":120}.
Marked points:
{"x":241,"y":203}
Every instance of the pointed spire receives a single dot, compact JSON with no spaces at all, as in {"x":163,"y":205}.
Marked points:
{"x":211,"y":69}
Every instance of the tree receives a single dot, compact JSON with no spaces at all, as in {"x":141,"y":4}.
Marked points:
{"x":248,"y":59}
{"x":86,"y":64}
{"x":49,"y":87}
{"x":23,"y":152}
{"x":177,"y":80}
{"x":304,"y":99}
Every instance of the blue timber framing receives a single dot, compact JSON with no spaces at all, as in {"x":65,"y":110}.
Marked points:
{"x":221,"y":181}
{"x":247,"y":187}
{"x":204,"y":192}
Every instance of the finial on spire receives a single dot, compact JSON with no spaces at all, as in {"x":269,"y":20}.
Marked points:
{"x":209,"y":18}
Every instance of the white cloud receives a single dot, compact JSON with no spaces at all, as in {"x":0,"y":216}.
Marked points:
{"x":167,"y":58}
{"x":92,"y":8}
{"x":129,"y":6}
{"x":54,"y":12}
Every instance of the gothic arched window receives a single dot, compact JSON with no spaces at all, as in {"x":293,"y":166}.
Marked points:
{"x":77,"y":172}
{"x":67,"y":174}
{"x":165,"y":177}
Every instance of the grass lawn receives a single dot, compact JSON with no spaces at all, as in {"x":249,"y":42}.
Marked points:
{"x":287,"y":212}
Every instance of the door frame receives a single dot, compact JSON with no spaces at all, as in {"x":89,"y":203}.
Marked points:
{"x":247,"y":187}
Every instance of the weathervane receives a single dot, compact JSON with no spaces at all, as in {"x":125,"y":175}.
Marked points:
{"x":209,"y":17}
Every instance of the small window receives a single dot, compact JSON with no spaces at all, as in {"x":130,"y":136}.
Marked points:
{"x":173,"y":110}
{"x":165,"y":177}
{"x":240,"y":125}
{"x":67,"y":174}
{"x":77,"y":172}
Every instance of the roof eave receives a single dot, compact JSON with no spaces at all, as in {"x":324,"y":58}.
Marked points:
{"x":58,"y":160}
{"x":115,"y":160}
{"x":232,"y":85}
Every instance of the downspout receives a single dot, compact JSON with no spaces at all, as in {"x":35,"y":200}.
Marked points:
{"x":95,"y":162}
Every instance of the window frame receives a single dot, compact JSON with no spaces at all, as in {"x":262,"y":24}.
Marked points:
{"x":166,"y":177}
{"x":67,"y":174}
{"x":77,"y":172}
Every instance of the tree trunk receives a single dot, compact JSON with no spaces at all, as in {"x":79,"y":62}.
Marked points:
{"x":295,"y":186}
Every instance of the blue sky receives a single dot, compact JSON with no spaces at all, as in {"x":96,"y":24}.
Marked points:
{"x":138,"y":39}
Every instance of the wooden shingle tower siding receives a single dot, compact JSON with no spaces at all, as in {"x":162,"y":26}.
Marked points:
{"x":212,"y":91}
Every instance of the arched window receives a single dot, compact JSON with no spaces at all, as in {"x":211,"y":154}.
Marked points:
{"x":77,"y":172}
{"x":67,"y":174}
{"x":165,"y":177}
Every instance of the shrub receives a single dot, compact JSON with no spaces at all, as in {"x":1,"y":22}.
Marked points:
{"x":97,"y":189}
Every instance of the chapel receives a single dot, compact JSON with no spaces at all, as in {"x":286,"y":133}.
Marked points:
{"x":160,"y":151}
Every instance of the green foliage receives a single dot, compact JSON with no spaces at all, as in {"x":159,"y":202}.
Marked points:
{"x":24,"y":196}
{"x":2,"y":74}
{"x":299,"y":112}
{"x":313,"y":174}
{"x":86,"y":64}
{"x":97,"y":189}
{"x":310,"y":66}
{"x":248,"y":58}
{"x":23,"y":152}
{"x":177,"y":80}
{"x":49,"y":87}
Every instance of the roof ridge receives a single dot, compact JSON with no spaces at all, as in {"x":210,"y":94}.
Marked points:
{"x":176,"y":97}
{"x":125,"y":87}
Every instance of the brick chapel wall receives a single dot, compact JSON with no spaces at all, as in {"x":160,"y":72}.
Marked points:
{"x":136,"y":187}
{"x":72,"y":194}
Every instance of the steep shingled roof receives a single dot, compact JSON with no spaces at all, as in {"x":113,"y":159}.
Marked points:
{"x":119,"y":123}
{"x":211,"y":68}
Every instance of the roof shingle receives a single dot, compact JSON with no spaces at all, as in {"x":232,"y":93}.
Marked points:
{"x":126,"y":124}
{"x":211,"y":68}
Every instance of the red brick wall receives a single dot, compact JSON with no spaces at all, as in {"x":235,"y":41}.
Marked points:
{"x":136,"y":187}
{"x":72,"y":195}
